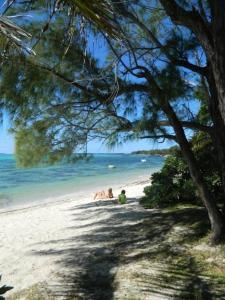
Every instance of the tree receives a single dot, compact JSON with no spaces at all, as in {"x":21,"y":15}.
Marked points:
{"x":147,"y":105}
{"x":176,"y":49}
{"x":206,"y":20}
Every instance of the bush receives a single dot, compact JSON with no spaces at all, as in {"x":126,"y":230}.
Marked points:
{"x":170,"y":186}
{"x":173,"y":184}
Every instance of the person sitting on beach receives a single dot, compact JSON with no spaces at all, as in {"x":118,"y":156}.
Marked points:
{"x":104,"y":195}
{"x":110,"y":193}
{"x":122,"y":199}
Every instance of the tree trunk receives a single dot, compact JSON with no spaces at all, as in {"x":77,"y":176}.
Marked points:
{"x":217,"y":54}
{"x":215,"y":217}
{"x":218,"y":136}
{"x":219,"y":144}
{"x":218,"y":61}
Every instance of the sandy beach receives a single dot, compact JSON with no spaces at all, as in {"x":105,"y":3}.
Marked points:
{"x":38,"y":240}
{"x":81,"y":249}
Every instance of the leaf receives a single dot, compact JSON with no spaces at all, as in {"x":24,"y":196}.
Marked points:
{"x":14,"y":33}
{"x":98,"y":12}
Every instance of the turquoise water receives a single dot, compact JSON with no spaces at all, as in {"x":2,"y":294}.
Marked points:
{"x":23,"y":186}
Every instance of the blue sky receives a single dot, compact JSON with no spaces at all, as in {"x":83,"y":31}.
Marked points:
{"x":7,"y":143}
{"x":6,"y":139}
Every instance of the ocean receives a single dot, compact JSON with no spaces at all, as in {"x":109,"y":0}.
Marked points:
{"x":28,"y":186}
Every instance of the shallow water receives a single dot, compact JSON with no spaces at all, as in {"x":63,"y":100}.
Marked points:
{"x":23,"y":186}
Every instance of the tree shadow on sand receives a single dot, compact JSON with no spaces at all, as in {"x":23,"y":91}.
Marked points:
{"x":128,"y":235}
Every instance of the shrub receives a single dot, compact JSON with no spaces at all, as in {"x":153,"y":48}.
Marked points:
{"x":173,"y":184}
{"x":170,"y":186}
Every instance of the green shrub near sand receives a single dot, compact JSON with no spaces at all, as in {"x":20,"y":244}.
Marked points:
{"x":173,"y":184}
{"x":170,"y":186}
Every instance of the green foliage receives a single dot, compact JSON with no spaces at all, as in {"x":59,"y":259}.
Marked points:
{"x":166,"y":151}
{"x":208,"y":161}
{"x":99,"y":12}
{"x":57,"y":108}
{"x":11,"y":36}
{"x":50,"y":119}
{"x":173,"y":184}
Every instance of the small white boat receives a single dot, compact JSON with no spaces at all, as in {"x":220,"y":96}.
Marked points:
{"x":111,"y":166}
{"x":143,"y":160}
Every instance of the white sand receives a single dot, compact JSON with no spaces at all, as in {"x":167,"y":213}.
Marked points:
{"x":34,"y":240}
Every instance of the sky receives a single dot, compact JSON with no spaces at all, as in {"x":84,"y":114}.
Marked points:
{"x":6,"y":139}
{"x":7,"y":143}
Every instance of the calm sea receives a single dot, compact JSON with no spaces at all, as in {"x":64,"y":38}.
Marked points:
{"x":24,"y":186}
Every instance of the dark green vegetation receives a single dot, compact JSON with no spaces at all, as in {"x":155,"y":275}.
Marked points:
{"x":173,"y":184}
{"x":42,"y":107}
{"x":162,"y":152}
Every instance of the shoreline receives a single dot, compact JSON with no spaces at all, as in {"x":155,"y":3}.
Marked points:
{"x":35,"y":237}
{"x":144,"y":179}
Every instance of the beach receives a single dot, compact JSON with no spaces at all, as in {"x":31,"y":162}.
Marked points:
{"x":37,"y":239}
{"x":78,"y":248}
{"x":61,"y":181}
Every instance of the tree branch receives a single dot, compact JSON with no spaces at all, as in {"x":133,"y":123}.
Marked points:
{"x":186,"y":64}
{"x":159,"y":45}
{"x":133,"y":87}
{"x":163,"y":136}
{"x":189,"y":124}
{"x":190,"y":19}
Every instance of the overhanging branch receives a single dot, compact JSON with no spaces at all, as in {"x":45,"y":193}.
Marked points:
{"x":163,"y":136}
{"x":190,"y":19}
{"x":179,"y":62}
